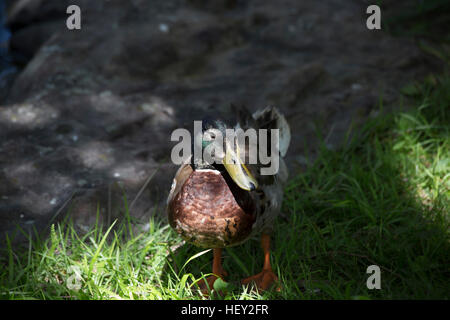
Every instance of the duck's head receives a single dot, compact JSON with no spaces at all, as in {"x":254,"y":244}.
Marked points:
{"x":219,"y":150}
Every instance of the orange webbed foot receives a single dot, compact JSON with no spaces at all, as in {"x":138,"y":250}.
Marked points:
{"x":266,"y":278}
{"x":207,"y":285}
{"x":263,"y":280}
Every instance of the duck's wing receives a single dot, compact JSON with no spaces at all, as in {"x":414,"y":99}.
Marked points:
{"x":269,"y":196}
{"x":183,"y":173}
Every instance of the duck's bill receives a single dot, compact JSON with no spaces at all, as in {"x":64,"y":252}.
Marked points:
{"x":238,"y":171}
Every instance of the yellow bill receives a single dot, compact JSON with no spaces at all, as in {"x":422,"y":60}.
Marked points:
{"x":237,"y":170}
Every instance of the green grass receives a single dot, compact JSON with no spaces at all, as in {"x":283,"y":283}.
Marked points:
{"x":382,"y":199}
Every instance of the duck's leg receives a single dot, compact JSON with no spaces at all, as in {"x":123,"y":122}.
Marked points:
{"x":266,"y":277}
{"x":207,"y":285}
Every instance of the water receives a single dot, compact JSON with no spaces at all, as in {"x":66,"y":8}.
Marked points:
{"x":4,"y":37}
{"x":6,"y":66}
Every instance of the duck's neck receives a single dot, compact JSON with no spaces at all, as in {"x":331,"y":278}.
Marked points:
{"x":200,"y":164}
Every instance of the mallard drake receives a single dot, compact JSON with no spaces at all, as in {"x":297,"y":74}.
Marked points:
{"x":222,"y":204}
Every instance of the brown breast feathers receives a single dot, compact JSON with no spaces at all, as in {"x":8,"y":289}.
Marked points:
{"x":209,"y":212}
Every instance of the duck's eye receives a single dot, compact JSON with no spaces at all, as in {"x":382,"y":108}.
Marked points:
{"x":210,"y":135}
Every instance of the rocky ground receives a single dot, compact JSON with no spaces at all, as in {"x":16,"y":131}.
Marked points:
{"x":88,"y":118}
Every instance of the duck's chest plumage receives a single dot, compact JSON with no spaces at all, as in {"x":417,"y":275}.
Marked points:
{"x":208,"y":210}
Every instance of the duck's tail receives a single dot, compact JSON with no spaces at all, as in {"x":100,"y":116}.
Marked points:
{"x":271,"y":118}
{"x":267,"y":118}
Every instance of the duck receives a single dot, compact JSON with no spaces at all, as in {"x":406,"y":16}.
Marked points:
{"x":223,"y":203}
